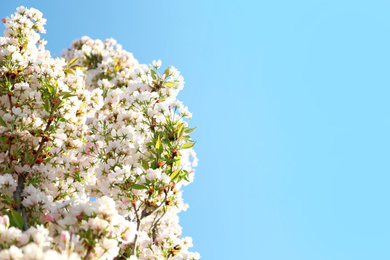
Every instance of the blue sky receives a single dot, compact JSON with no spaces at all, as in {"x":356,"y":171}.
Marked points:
{"x":292,"y":103}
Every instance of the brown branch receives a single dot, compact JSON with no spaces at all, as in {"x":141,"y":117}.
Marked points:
{"x":154,"y":221}
{"x":136,"y":212}
{"x":158,"y":207}
{"x":42,"y":141}
{"x":136,"y":235}
{"x":144,"y":214}
{"x":22,"y":178}
{"x":88,"y":252}
{"x":24,"y":215}
{"x":10,"y":102}
{"x":133,"y":250}
{"x":154,"y":234}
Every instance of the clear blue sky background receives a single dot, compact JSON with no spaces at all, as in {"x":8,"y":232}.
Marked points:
{"x":292,"y":103}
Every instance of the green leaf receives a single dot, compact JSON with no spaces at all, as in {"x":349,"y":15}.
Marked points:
{"x":17,"y":218}
{"x":5,"y":202}
{"x":67,"y":94}
{"x":172,"y":161}
{"x":62,"y":119}
{"x":77,"y":177}
{"x":175,"y":174}
{"x":145,"y":164}
{"x":180,"y":130}
{"x":138,"y":187}
{"x":154,"y":165}
{"x":158,"y":143}
{"x":159,"y":147}
{"x":2,"y":122}
{"x":166,"y":73}
{"x":72,"y":61}
{"x":178,"y":161}
{"x":190,"y":130}
{"x":117,"y":67}
{"x":47,"y":105}
{"x":170,"y":84}
{"x":51,"y":89}
{"x":187,"y":145}
{"x":75,"y":67}
{"x":167,"y":142}
{"x":128,"y":251}
{"x":69,"y":71}
{"x":153,"y":74}
{"x":57,"y":105}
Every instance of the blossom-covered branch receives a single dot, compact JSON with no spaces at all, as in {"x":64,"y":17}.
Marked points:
{"x":94,"y":123}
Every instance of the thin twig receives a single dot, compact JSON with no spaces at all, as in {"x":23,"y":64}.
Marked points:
{"x":136,"y":212}
{"x":154,"y":220}
{"x":133,"y":250}
{"x":158,"y":207}
{"x":154,"y":234}
{"x":10,"y":103}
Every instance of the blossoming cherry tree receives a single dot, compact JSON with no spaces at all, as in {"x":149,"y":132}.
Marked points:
{"x":92,"y":124}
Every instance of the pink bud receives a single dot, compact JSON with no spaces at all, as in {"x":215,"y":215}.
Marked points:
{"x":4,"y":220}
{"x":3,"y":20}
{"x":50,"y":217}
{"x":29,"y":70}
{"x":65,"y":236}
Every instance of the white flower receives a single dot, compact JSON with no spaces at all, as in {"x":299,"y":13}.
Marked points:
{"x":156,"y":64}
{"x":22,"y":9}
{"x":32,"y":251}
{"x":165,"y":178}
{"x":22,"y":86}
{"x":153,"y":174}
{"x":10,"y":49}
{"x":13,"y":253}
{"x":8,"y":118}
{"x":36,"y":13}
{"x":17,"y":111}
{"x":17,"y":57}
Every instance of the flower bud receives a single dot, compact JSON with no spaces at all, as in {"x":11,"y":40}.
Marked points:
{"x":65,"y":236}
{"x":4,"y":220}
{"x":50,"y":217}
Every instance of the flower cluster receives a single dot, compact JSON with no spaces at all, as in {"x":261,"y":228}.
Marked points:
{"x":94,"y":123}
{"x":34,"y":243}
